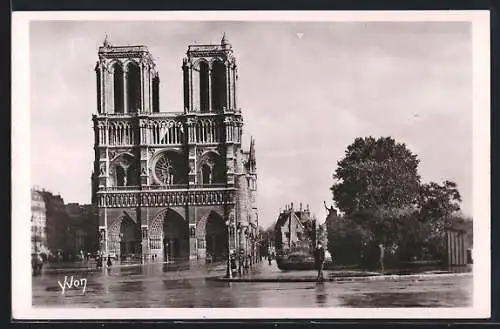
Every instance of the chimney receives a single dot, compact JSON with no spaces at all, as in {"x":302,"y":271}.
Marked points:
{"x":301,"y":206}
{"x":291,"y":206}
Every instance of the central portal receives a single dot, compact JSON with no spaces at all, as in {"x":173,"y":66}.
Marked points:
{"x":169,"y":239}
{"x":175,"y":237}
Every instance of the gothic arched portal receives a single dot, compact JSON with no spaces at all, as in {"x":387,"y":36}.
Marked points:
{"x":125,"y":239}
{"x":216,"y":237}
{"x":130,"y":240}
{"x":169,"y":236}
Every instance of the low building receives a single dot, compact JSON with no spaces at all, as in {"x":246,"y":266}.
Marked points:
{"x":38,"y":223}
{"x":62,"y":230}
{"x":56,"y":218}
{"x":290,"y":229}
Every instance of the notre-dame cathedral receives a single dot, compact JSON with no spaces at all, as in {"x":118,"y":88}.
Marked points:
{"x":172,"y":185}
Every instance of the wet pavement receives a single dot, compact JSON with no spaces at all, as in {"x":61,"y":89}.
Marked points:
{"x":193,"y":285}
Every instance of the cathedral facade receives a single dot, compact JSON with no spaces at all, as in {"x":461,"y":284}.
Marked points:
{"x":172,"y":185}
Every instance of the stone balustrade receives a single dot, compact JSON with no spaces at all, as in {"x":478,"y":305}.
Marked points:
{"x":166,"y":198}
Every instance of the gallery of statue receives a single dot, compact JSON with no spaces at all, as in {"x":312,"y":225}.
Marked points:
{"x":172,"y":185}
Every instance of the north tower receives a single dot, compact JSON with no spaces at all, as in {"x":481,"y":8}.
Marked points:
{"x":172,"y":185}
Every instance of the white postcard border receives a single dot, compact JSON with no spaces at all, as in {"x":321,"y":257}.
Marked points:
{"x":21,"y":196}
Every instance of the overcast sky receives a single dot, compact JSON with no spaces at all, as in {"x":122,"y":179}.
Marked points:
{"x":304,"y":99}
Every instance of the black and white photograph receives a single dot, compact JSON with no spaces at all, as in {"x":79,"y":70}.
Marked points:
{"x":291,"y":164}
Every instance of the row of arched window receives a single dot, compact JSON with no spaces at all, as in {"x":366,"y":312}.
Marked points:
{"x":234,"y":134}
{"x":166,"y":134}
{"x":212,"y":86}
{"x":121,"y":134}
{"x":204,"y":131}
{"x":211,"y":82}
{"x":208,"y":131}
{"x":127,"y":89}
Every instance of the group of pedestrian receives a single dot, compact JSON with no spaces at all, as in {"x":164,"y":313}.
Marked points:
{"x":99,"y":261}
{"x":241,"y":264}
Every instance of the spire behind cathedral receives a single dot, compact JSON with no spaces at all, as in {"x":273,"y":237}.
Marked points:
{"x":106,"y":42}
{"x":224,"y":40}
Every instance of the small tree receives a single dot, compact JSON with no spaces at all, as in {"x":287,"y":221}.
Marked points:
{"x":438,"y":205}
{"x":347,"y":240}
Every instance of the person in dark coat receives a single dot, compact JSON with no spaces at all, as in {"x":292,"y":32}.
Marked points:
{"x":109,"y":263}
{"x":246,"y":264}
{"x":319,"y":261}
{"x":234,"y":267}
{"x":98,"y":261}
{"x":381,"y":257}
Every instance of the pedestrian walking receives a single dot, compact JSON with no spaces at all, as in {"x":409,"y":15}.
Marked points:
{"x":269,"y":259}
{"x":233,"y":264}
{"x":98,"y":261}
{"x":319,"y":261}
{"x":381,"y":258}
{"x":109,"y":263}
{"x":245,"y":265}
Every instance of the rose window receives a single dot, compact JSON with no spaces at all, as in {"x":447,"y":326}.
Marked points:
{"x":164,"y":170}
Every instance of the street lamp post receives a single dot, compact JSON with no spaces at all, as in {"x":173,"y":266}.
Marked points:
{"x":228,"y":269}
{"x":123,"y":250}
{"x":238,"y":232}
{"x":246,"y":243}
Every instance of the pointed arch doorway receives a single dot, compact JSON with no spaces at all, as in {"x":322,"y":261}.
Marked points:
{"x":169,"y":238}
{"x":216,"y":237}
{"x":125,"y":239}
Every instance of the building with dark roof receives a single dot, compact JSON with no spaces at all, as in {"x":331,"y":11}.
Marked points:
{"x":291,"y":229}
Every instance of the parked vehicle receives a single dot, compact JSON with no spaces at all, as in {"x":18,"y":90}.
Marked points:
{"x":300,"y":260}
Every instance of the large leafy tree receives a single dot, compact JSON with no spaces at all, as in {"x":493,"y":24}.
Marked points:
{"x":376,"y":175}
{"x":378,"y":190}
